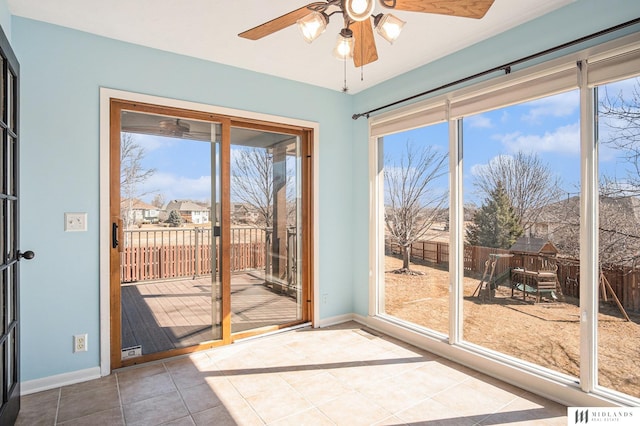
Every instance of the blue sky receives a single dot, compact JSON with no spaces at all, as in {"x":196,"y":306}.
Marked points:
{"x":548,"y":127}
{"x":183,"y":168}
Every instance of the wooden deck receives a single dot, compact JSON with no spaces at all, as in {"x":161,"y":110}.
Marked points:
{"x":164,"y":315}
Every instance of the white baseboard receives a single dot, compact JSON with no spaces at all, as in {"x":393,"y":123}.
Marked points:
{"x":52,"y":382}
{"x":359,"y":318}
{"x":338,"y":319}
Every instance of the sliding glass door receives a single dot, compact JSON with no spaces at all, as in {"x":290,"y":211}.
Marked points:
{"x":168,"y":233}
{"x":265,"y":211}
{"x":207,"y":231}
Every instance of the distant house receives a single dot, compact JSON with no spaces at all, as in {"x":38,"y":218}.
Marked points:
{"x":619,"y":220}
{"x":244,"y":213}
{"x":137,"y":211}
{"x":553,"y":222}
{"x":191,"y":212}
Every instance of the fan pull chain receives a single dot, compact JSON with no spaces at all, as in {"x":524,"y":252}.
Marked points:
{"x":345,"y":89}
{"x":362,"y":53}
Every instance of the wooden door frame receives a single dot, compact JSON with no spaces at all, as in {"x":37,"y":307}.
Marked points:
{"x":308,"y":138}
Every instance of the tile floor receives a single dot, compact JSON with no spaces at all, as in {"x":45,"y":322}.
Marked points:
{"x":342,"y":375}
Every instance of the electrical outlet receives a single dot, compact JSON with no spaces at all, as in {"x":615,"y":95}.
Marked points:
{"x":80,"y":343}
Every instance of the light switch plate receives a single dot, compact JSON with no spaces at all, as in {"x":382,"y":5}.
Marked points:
{"x":75,"y":222}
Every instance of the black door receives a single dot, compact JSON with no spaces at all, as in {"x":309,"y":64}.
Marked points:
{"x":9,"y":248}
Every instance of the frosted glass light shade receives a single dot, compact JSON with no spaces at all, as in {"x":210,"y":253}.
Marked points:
{"x":344,"y":45}
{"x":312,"y":25}
{"x":389,"y":27}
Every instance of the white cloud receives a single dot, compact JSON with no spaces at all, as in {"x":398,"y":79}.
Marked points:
{"x":479,"y":169}
{"x":562,"y":105}
{"x":153,"y":142}
{"x":479,"y":121}
{"x":565,"y":139}
{"x":177,"y":187}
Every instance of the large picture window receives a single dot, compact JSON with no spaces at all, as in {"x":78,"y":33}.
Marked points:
{"x":619,"y":236}
{"x":415,"y":277}
{"x":522,"y":215}
{"x":542,"y":241}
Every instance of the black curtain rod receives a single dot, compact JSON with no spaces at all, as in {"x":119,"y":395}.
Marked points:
{"x":506,"y":67}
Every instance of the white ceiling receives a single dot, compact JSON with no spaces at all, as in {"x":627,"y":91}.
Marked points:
{"x":208,"y":29}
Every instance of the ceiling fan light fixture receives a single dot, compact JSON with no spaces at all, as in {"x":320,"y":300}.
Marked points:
{"x":359,"y":10}
{"x":174,"y":127}
{"x":344,"y":44}
{"x":312,"y":25}
{"x":388,"y":26}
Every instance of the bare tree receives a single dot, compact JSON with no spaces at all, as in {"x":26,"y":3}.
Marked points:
{"x":527,"y":181}
{"x":252,"y":181}
{"x":132,"y":174}
{"x":620,"y":124}
{"x":619,"y":195}
{"x":158,"y":201}
{"x":563,"y":226}
{"x":413,"y":205}
{"x":619,"y":238}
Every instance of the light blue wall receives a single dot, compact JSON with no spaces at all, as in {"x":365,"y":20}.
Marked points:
{"x":5,"y":19}
{"x":578,"y":19}
{"x":62,"y":71}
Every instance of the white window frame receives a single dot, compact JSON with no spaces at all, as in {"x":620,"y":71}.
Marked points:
{"x":600,"y":64}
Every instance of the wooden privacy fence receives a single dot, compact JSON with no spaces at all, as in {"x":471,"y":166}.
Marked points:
{"x":163,"y":254}
{"x":156,"y":263}
{"x":437,"y":253}
{"x":625,"y":281}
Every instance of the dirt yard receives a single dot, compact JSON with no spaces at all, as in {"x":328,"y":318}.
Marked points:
{"x":546,"y":333}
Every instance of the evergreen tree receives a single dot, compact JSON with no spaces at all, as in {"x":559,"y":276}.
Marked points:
{"x":495,"y":224}
{"x":174,"y":219}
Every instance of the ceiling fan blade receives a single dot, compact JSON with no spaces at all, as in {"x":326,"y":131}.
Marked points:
{"x":276,"y":24}
{"x":464,"y":8}
{"x":364,"y":45}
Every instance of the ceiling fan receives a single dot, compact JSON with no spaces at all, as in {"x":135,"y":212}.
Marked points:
{"x":174,"y":127}
{"x":160,"y":125}
{"x":356,"y":37}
